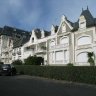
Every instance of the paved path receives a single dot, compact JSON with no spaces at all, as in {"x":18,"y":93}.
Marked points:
{"x":31,"y":86}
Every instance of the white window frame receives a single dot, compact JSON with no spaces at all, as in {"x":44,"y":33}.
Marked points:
{"x":64,"y":38}
{"x":83,"y":42}
{"x":63,"y":27}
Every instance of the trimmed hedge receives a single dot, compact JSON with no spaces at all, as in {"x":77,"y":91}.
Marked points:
{"x":74,"y":74}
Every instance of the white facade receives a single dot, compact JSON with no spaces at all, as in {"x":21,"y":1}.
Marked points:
{"x":64,"y":45}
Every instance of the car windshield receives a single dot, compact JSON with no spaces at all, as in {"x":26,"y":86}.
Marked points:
{"x":6,"y":65}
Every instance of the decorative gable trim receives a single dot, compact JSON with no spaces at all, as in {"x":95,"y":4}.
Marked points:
{"x":63,"y":19}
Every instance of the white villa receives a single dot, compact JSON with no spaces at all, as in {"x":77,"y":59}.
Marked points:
{"x":67,"y":43}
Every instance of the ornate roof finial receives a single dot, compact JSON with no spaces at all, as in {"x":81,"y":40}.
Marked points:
{"x":87,"y":7}
{"x":63,"y":17}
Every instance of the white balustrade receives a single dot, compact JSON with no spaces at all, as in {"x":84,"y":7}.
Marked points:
{"x":59,"y":46}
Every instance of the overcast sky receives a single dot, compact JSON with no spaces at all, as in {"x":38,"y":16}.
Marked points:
{"x":30,"y":14}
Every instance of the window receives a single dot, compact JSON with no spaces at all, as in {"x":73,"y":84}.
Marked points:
{"x":32,"y":39}
{"x":63,"y":28}
{"x":59,"y":55}
{"x":82,"y":25}
{"x":84,"y":40}
{"x":64,"y":40}
{"x":82,"y":57}
{"x":82,"y":22}
{"x":52,"y":43}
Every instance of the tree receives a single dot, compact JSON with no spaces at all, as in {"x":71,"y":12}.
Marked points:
{"x":29,"y":61}
{"x":17,"y":62}
{"x":34,"y":60}
{"x":91,"y":58}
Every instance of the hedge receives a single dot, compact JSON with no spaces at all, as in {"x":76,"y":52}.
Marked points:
{"x":74,"y":74}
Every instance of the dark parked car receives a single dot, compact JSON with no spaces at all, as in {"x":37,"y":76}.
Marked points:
{"x":7,"y":69}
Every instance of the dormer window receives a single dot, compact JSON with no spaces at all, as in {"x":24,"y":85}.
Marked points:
{"x":82,"y":22}
{"x":63,"y":27}
{"x":33,"y":40}
{"x":82,"y":25}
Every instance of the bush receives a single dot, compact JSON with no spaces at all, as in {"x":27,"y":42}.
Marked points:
{"x":70,"y":64}
{"x":74,"y":74}
{"x":17,"y":62}
{"x":33,"y":60}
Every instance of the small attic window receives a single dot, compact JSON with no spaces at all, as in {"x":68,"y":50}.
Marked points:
{"x":63,"y":27}
{"x":82,"y":22}
{"x":32,"y":39}
{"x":82,"y":25}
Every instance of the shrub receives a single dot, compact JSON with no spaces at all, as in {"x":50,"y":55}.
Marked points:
{"x":33,"y":60}
{"x":91,"y":58}
{"x":70,"y":64}
{"x":75,"y":74}
{"x":17,"y":62}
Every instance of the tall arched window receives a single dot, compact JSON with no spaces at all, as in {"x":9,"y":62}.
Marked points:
{"x":64,"y":40}
{"x":84,"y":40}
{"x":52,"y":43}
{"x":82,"y":57}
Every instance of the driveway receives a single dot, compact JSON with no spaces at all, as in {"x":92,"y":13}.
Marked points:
{"x":35,"y":86}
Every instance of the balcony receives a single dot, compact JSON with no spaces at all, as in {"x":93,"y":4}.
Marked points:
{"x":40,"y":51}
{"x":84,"y":46}
{"x":59,"y":46}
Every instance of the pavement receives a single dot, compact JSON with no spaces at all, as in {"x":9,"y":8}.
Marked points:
{"x":23,"y":85}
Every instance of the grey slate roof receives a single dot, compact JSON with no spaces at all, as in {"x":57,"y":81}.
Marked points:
{"x":90,"y":20}
{"x":38,"y":33}
{"x":56,"y":28}
{"x":19,"y":36}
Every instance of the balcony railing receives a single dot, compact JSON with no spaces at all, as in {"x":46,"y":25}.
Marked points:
{"x":40,"y":51}
{"x":83,"y":46}
{"x":59,"y":46}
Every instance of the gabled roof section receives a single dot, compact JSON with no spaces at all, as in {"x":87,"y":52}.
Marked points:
{"x":47,"y":33}
{"x":88,"y":16}
{"x":71,"y":23}
{"x":75,"y":26}
{"x":56,"y":28}
{"x":18,"y":42}
{"x":90,"y":20}
{"x":38,"y":33}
